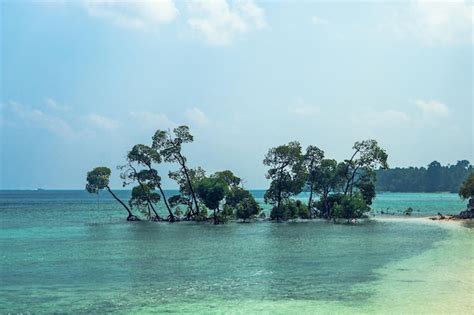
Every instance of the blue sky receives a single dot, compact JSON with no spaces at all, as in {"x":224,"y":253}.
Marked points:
{"x":81,"y":82}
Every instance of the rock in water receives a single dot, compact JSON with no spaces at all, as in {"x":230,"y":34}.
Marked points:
{"x":469,"y":212}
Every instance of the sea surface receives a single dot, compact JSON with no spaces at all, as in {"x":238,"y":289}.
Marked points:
{"x":71,"y":252}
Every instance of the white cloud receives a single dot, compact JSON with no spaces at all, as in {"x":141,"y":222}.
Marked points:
{"x":389,"y":117}
{"x":102,"y":122}
{"x":56,"y":120}
{"x":151,"y":120}
{"x":218,"y":22}
{"x":434,"y":22}
{"x":316,"y":20}
{"x":196,"y":116}
{"x":300,"y":107}
{"x":53,"y":104}
{"x":39,"y":119}
{"x":133,"y":14}
{"x":432,"y":107}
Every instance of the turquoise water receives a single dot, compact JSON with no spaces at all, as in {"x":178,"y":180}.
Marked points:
{"x":68,"y":252}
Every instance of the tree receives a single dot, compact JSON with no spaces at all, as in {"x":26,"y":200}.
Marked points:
{"x":98,"y":179}
{"x":144,"y":156}
{"x":247,"y":208}
{"x":287,"y":174}
{"x":169,"y":147}
{"x":243,"y":202}
{"x":228,"y":177}
{"x":185,"y":196}
{"x":350,"y":207}
{"x":212,"y":190}
{"x":366,"y":186}
{"x":143,"y":198}
{"x":329,"y":178}
{"x":367,"y":156}
{"x":312,"y":161}
{"x":419,"y":179}
{"x":237,"y":199}
{"x":434,"y":174}
{"x":467,"y":189}
{"x":129,"y":175}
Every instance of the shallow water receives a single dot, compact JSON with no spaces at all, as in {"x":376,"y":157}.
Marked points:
{"x":64,"y":252}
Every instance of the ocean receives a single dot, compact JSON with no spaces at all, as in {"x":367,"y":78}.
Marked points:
{"x":71,"y":252}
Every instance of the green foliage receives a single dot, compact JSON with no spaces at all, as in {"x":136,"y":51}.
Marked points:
{"x":169,"y":144}
{"x":467,"y":189}
{"x":227,"y":177}
{"x":286,"y":172}
{"x":185,"y":197}
{"x":195,"y":175}
{"x":178,"y":212}
{"x":247,"y":208}
{"x":226,"y":214}
{"x":142,"y":195}
{"x":312,"y":160}
{"x":220,"y":186}
{"x":211,"y":190}
{"x":290,"y":209}
{"x":366,"y":186}
{"x":202,"y":215}
{"x":98,"y":179}
{"x":433,"y":178}
{"x":302,"y":210}
{"x":175,"y":200}
{"x":279,"y":213}
{"x":236,"y":195}
{"x":354,"y":179}
{"x":141,"y":155}
{"x":350,"y":207}
{"x":329,"y":178}
{"x":367,"y":157}
{"x":144,"y":155}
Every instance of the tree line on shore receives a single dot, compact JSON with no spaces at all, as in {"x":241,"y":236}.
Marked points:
{"x":433,"y":178}
{"x":345,"y":189}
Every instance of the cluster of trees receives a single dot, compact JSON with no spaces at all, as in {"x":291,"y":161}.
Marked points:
{"x":345,"y":189}
{"x":434,"y":178}
{"x":222,"y":192}
{"x":467,"y":188}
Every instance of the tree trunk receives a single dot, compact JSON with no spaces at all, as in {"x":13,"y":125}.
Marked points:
{"x":183,"y":165}
{"x":278,"y":199}
{"x":150,"y":204}
{"x":215,"y":217}
{"x":130,"y":215}
{"x":347,"y":171}
{"x":326,"y":204}
{"x":172,"y":218}
{"x":279,"y":186}
{"x":310,"y":201}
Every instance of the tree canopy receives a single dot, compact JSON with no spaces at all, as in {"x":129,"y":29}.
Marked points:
{"x":467,"y":188}
{"x":286,"y":172}
{"x":433,"y":178}
{"x":345,"y":189}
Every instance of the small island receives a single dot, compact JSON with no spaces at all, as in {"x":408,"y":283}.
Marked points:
{"x":345,"y":189}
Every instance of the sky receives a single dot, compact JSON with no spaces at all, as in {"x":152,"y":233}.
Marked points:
{"x":83,"y":81}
